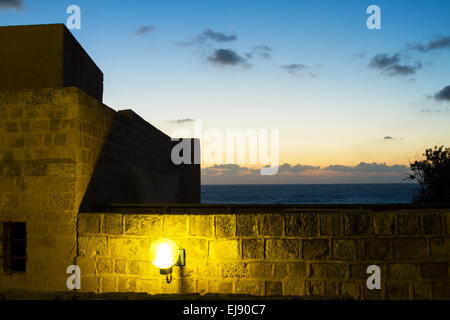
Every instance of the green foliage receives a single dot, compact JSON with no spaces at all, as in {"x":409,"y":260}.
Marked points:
{"x":433,"y":175}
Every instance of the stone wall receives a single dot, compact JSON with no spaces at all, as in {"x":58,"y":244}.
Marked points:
{"x":62,"y":151}
{"x":287,"y":252}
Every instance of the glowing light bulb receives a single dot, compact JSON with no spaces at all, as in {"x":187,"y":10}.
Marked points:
{"x":164,"y":253}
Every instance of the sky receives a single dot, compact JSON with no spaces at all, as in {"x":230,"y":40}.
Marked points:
{"x":350,"y":104}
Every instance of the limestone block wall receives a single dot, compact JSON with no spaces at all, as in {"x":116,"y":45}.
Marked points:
{"x":280,"y":253}
{"x":62,"y":151}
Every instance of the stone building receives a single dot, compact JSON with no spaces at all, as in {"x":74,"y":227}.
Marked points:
{"x":62,"y":151}
{"x":84,"y":185}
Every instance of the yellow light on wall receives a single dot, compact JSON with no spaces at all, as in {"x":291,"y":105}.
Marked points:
{"x":164,"y":254}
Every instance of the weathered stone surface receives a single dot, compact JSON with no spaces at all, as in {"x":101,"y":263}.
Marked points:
{"x":328,"y":270}
{"x":89,"y":223}
{"x":277,"y":249}
{"x":274,"y":288}
{"x":129,"y":248}
{"x":235,"y":270}
{"x":376,"y":249}
{"x":224,"y":250}
{"x":440,"y":248}
{"x":253,"y":248}
{"x":294,"y":287}
{"x":175,"y":225}
{"x":432,"y":223}
{"x":297,"y":269}
{"x":345,"y":249}
{"x":301,"y":224}
{"x":403,"y":271}
{"x":127,"y":285}
{"x":315,"y":249}
{"x":112,"y":224}
{"x":225,"y":226}
{"x":201,"y":225}
{"x":357,"y":224}
{"x":397,"y":290}
{"x":270,"y":225}
{"x":331,"y":224}
{"x":437,"y":271}
{"x":409,"y":223}
{"x":247,"y":225}
{"x":352,"y":289}
{"x":109,"y":284}
{"x":91,"y":246}
{"x":143,"y":225}
{"x":255,"y":288}
{"x":119,"y":266}
{"x":383,"y":223}
{"x":260,"y":270}
{"x":410,"y":248}
{"x":104,"y":265}
{"x":422,"y":290}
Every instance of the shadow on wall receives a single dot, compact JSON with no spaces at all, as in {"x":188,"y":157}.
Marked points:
{"x":134,"y":166}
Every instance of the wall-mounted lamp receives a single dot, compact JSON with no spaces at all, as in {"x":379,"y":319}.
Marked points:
{"x":164,"y":254}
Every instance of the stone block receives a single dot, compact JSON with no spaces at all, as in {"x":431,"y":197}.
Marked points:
{"x":92,"y":246}
{"x":255,"y":288}
{"x":129,"y":248}
{"x":270,"y":225}
{"x":253,"y":248}
{"x":112,"y":223}
{"x":127,"y":285}
{"x":440,"y":248}
{"x":145,"y":225}
{"x":175,"y":225}
{"x":331,"y":224}
{"x":294,"y":287}
{"x":225,"y":226}
{"x":235,"y":270}
{"x":383,"y":223}
{"x":398,"y":290}
{"x":328,"y":270}
{"x":432,"y":223}
{"x":301,"y":224}
{"x":282,"y":249}
{"x":345,"y":249}
{"x":376,"y":249}
{"x":246,"y":225}
{"x":274,"y":288}
{"x":409,"y":223}
{"x":410,"y":248}
{"x":434,"y":271}
{"x":224,"y":250}
{"x":201,"y":225}
{"x":260,"y":270}
{"x":403,"y":271}
{"x":317,"y":249}
{"x":357,"y":224}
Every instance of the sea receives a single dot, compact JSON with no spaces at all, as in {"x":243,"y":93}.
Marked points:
{"x":310,"y":193}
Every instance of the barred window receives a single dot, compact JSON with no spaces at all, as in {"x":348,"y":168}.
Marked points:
{"x":13,"y":245}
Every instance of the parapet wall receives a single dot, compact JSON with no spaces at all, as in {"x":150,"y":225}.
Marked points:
{"x":273,"y":252}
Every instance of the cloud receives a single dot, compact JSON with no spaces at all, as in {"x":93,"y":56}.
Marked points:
{"x":443,"y":95}
{"x":227,"y":169}
{"x":180,"y":121}
{"x":217,"y":36}
{"x":388,"y":138}
{"x":227,"y":57}
{"x":360,"y":55}
{"x":369,"y":168}
{"x":392,"y":65}
{"x":211,"y":35}
{"x":439,"y":43}
{"x":293,"y":67}
{"x":145,"y":29}
{"x":262,"y":51}
{"x":430,"y":110}
{"x":11,"y":4}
